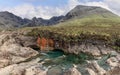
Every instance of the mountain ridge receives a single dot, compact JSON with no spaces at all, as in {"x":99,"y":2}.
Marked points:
{"x":9,"y":20}
{"x":81,"y":11}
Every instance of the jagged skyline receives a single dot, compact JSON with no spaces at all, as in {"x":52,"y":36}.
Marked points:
{"x":48,"y":8}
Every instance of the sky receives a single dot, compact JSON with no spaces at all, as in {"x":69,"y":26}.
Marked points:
{"x":49,"y":8}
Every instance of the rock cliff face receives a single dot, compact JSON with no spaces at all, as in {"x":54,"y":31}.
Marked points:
{"x":95,"y":49}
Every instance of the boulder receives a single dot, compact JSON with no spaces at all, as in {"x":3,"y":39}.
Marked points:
{"x":56,"y":70}
{"x":115,"y":71}
{"x":12,"y":52}
{"x":90,"y":71}
{"x":7,"y":70}
{"x":35,"y":70}
{"x":3,"y":38}
{"x":96,"y":68}
{"x":26,"y":68}
{"x":72,"y":71}
{"x":113,"y":62}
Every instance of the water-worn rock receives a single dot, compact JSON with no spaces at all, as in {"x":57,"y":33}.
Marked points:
{"x":95,"y":50}
{"x":90,"y":71}
{"x":27,"y":41}
{"x":113,"y":62}
{"x":72,"y":71}
{"x":115,"y":71}
{"x":35,"y":70}
{"x":7,"y":70}
{"x":89,"y":49}
{"x":26,"y":68}
{"x":12,"y":52}
{"x":96,"y":68}
{"x":56,"y":70}
{"x":118,"y":57}
{"x":3,"y":38}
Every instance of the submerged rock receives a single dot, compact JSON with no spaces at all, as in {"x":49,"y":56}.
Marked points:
{"x":55,"y":71}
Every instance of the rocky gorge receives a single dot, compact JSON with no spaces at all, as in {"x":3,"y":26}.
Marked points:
{"x":20,"y":55}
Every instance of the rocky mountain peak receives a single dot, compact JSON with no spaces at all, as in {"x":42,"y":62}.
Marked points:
{"x":82,"y":11}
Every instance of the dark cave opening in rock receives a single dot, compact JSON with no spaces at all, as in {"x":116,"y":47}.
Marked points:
{"x":34,"y":47}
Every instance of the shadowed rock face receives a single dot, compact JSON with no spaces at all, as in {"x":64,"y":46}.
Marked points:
{"x":73,"y":47}
{"x":117,"y":42}
{"x":46,"y":43}
{"x":42,"y":22}
{"x":9,"y":20}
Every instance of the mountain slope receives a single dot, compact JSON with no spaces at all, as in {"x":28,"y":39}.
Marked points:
{"x":9,"y":20}
{"x":81,"y":11}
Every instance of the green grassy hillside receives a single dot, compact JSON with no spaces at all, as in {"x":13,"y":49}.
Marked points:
{"x":103,"y":29}
{"x":102,"y":26}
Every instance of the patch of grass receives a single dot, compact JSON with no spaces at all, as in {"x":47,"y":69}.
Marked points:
{"x":116,"y":48}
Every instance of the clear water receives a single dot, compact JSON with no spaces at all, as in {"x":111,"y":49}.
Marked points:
{"x":58,"y":57}
{"x":102,"y":62}
{"x":57,"y":62}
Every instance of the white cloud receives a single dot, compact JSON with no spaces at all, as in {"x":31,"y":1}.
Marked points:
{"x":100,"y":4}
{"x":73,"y":3}
{"x":114,"y":5}
{"x":30,"y":11}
